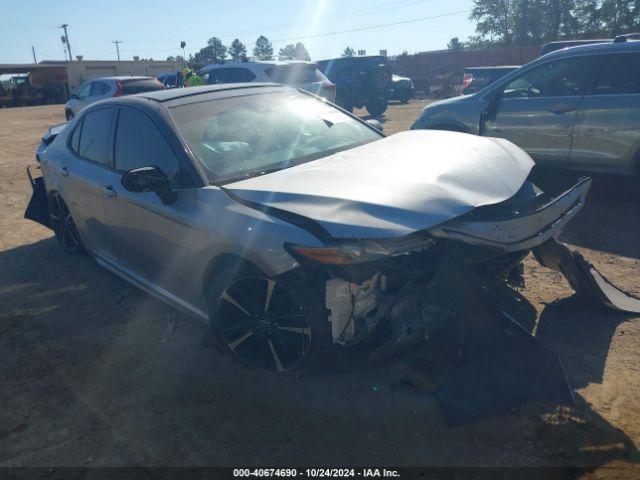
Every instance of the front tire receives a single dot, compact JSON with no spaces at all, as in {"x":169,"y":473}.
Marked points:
{"x":69,"y":115}
{"x":260,"y":321}
{"x":63,"y":225}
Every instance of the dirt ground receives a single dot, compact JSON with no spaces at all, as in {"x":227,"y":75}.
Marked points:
{"x":91,"y":374}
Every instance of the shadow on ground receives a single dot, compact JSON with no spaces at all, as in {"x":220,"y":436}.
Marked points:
{"x":93,"y":375}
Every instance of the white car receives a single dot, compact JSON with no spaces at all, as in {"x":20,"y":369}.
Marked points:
{"x":107,"y":87}
{"x":299,"y":74}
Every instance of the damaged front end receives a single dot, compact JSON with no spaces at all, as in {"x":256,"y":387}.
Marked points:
{"x":454,"y":289}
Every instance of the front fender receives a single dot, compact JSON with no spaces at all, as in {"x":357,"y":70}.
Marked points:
{"x":460,"y":114}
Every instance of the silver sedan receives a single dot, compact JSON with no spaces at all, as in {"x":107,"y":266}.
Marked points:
{"x":292,"y":227}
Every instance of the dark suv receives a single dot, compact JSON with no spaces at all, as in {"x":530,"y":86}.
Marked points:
{"x":576,"y":108}
{"x":360,"y":82}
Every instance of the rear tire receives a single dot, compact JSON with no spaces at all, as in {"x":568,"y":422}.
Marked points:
{"x":63,"y":225}
{"x":377,"y":106}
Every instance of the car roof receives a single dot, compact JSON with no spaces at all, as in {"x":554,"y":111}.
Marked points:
{"x":354,"y":58}
{"x":123,"y":77}
{"x":495,"y":67}
{"x":610,"y":47}
{"x":171,"y":94}
{"x":256,"y":63}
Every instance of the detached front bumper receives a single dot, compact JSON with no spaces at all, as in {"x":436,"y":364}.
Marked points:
{"x":517,"y":227}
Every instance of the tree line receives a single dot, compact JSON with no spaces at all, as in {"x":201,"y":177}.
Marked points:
{"x":217,"y":52}
{"x":533,"y":22}
{"x":498,"y":22}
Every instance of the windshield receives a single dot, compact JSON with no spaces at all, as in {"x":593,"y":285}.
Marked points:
{"x":251,"y":135}
{"x":130,"y":87}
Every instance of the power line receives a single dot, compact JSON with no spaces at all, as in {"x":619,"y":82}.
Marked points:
{"x":352,"y":13}
{"x":371,"y":27}
{"x":326,"y":34}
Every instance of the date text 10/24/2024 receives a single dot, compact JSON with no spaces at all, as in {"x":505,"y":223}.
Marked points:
{"x":316,"y":472}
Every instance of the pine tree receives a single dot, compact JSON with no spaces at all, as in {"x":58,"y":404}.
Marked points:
{"x":263,"y":49}
{"x":237,"y":50}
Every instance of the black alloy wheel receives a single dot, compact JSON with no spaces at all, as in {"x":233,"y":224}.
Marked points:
{"x":63,"y":225}
{"x":262,"y":324}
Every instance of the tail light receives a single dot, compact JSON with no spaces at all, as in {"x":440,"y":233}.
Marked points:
{"x":467,"y":79}
{"x":162,"y":87}
{"x":118,"y":89}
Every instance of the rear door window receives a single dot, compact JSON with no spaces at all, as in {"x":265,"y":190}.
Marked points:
{"x":294,"y":73}
{"x":139,"y":143}
{"x":244,"y":75}
{"x":99,"y":88}
{"x":131,"y":87}
{"x":95,"y":134}
{"x":221,"y":75}
{"x":619,"y":75}
{"x":74,"y":143}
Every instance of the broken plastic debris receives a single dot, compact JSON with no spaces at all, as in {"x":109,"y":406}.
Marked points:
{"x":584,"y":278}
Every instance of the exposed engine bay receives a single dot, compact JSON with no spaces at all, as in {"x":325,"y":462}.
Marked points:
{"x":455,"y":288}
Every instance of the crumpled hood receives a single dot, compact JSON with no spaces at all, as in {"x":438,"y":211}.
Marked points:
{"x":406,"y":182}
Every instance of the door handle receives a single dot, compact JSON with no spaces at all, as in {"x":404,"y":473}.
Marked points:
{"x":109,"y":191}
{"x":561,"y":108}
{"x":64,"y":171}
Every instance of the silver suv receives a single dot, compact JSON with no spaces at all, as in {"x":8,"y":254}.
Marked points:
{"x":576,"y":108}
{"x":296,"y":73}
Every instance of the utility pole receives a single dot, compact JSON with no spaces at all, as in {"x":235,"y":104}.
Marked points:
{"x":66,"y":36}
{"x":33,"y":50}
{"x":117,"y":47}
{"x":182,"y":45}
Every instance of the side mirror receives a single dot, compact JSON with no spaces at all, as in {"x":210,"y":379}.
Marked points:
{"x":149,"y":179}
{"x":375,"y":124}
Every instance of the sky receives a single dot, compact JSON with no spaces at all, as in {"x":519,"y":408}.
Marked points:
{"x":154,"y":29}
